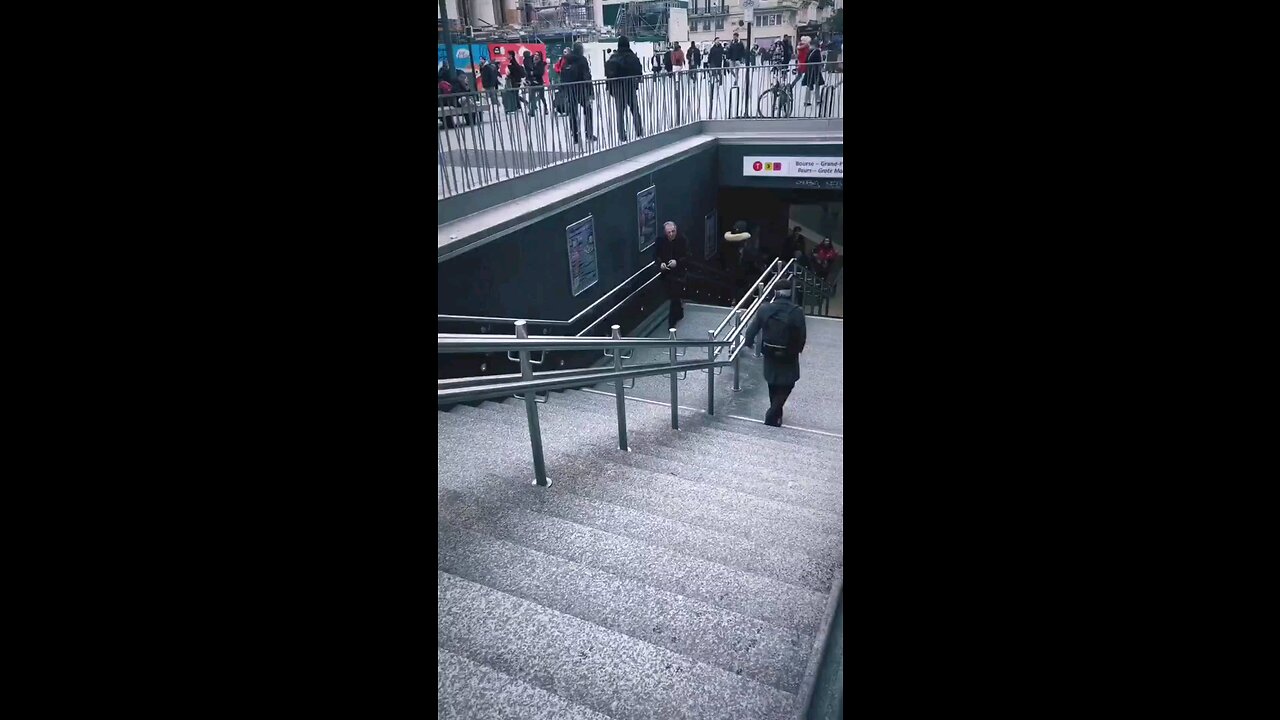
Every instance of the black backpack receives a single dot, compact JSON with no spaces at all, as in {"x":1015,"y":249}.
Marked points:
{"x":780,"y":341}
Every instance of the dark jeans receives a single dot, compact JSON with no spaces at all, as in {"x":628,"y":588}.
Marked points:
{"x":673,"y":288}
{"x":578,"y":99}
{"x":621,"y":102}
{"x":777,"y":397}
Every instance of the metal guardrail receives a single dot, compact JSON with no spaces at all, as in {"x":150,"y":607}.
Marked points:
{"x":571,"y":321}
{"x":526,"y":386}
{"x":495,"y":134}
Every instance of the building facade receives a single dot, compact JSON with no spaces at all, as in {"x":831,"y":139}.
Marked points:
{"x":709,"y":19}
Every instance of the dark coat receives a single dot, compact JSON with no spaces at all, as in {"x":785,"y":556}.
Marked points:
{"x":623,"y":64}
{"x":813,"y":69}
{"x":715,"y":58}
{"x":694,"y":56}
{"x":665,"y":250}
{"x":777,"y":372}
{"x":515,"y":73}
{"x":737,"y":51}
{"x":539,"y":71}
{"x":577,"y":69}
{"x":489,"y":76}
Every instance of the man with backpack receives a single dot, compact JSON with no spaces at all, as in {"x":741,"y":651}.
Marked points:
{"x":783,"y":339}
{"x":624,"y":72}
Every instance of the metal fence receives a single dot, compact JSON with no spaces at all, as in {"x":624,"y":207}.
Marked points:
{"x":494,"y":134}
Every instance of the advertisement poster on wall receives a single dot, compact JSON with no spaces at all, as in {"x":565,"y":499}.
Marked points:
{"x":502,"y":53}
{"x":465,"y":57}
{"x":712,"y":242}
{"x":583,"y":269}
{"x":647,"y":216}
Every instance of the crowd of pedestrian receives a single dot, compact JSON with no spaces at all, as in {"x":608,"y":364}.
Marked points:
{"x":526,"y":88}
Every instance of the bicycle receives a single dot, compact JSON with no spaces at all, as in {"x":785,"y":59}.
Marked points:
{"x":782,"y":97}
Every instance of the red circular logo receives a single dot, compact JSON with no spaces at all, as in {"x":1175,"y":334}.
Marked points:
{"x":757,"y":166}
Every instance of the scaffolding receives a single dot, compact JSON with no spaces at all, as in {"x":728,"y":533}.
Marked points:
{"x":550,"y":16}
{"x":646,"y":20}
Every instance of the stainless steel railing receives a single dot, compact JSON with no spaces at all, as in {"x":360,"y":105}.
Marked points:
{"x":483,"y":388}
{"x":571,"y":321}
{"x":495,"y":134}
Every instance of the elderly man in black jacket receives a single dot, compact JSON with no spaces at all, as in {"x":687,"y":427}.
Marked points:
{"x":781,"y":354}
{"x":670,"y":252}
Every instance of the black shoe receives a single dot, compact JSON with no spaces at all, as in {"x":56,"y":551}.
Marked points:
{"x":593,"y":138}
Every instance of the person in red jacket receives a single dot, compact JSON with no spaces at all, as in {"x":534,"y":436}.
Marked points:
{"x":824,"y":258}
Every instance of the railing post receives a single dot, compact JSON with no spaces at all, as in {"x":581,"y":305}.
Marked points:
{"x":711,"y":375}
{"x":737,"y":322}
{"x":675,"y":393}
{"x":618,"y":393}
{"x":531,"y":409}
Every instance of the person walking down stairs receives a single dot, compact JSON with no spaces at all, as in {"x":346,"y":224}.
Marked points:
{"x":783,"y":341}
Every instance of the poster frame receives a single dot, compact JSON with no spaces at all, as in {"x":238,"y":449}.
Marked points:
{"x":595,"y":250}
{"x":652,"y":233}
{"x":710,"y":228}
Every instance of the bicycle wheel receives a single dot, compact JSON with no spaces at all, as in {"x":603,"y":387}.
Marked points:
{"x":770,"y":104}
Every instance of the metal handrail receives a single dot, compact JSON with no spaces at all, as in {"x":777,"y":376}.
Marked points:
{"x":465,"y":394}
{"x":529,"y":387}
{"x":459,"y":343}
{"x":755,"y":307}
{"x":452,"y":383}
{"x":625,"y":300}
{"x":754,"y":285}
{"x":570,"y":321}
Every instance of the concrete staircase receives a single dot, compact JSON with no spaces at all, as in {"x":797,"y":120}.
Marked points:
{"x":692,"y":577}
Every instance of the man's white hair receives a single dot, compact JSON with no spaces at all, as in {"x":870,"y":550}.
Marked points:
{"x":668,"y":224}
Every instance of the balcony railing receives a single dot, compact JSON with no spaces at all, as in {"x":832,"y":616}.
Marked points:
{"x":493,"y":135}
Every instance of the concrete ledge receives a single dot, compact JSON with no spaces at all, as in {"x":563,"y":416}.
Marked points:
{"x":528,"y":207}
{"x":483,"y":199}
{"x":460,"y":215}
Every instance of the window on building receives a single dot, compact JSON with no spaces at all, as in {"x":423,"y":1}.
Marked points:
{"x":706,"y":26}
{"x":720,"y":23}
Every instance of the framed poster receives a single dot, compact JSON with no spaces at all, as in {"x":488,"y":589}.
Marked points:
{"x":712,"y":242}
{"x":647,"y":216}
{"x":583,"y":269}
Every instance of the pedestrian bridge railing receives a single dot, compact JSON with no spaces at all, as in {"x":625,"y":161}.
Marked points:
{"x":495,"y":134}
{"x":527,"y":386}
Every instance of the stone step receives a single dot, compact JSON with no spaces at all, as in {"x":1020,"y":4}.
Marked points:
{"x":812,"y":532}
{"x":602,"y":670}
{"x":715,"y":450}
{"x":824,"y":497}
{"x":695,"y":629}
{"x":767,"y":559}
{"x":787,"y":487}
{"x":467,"y":690}
{"x":765,"y":599}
